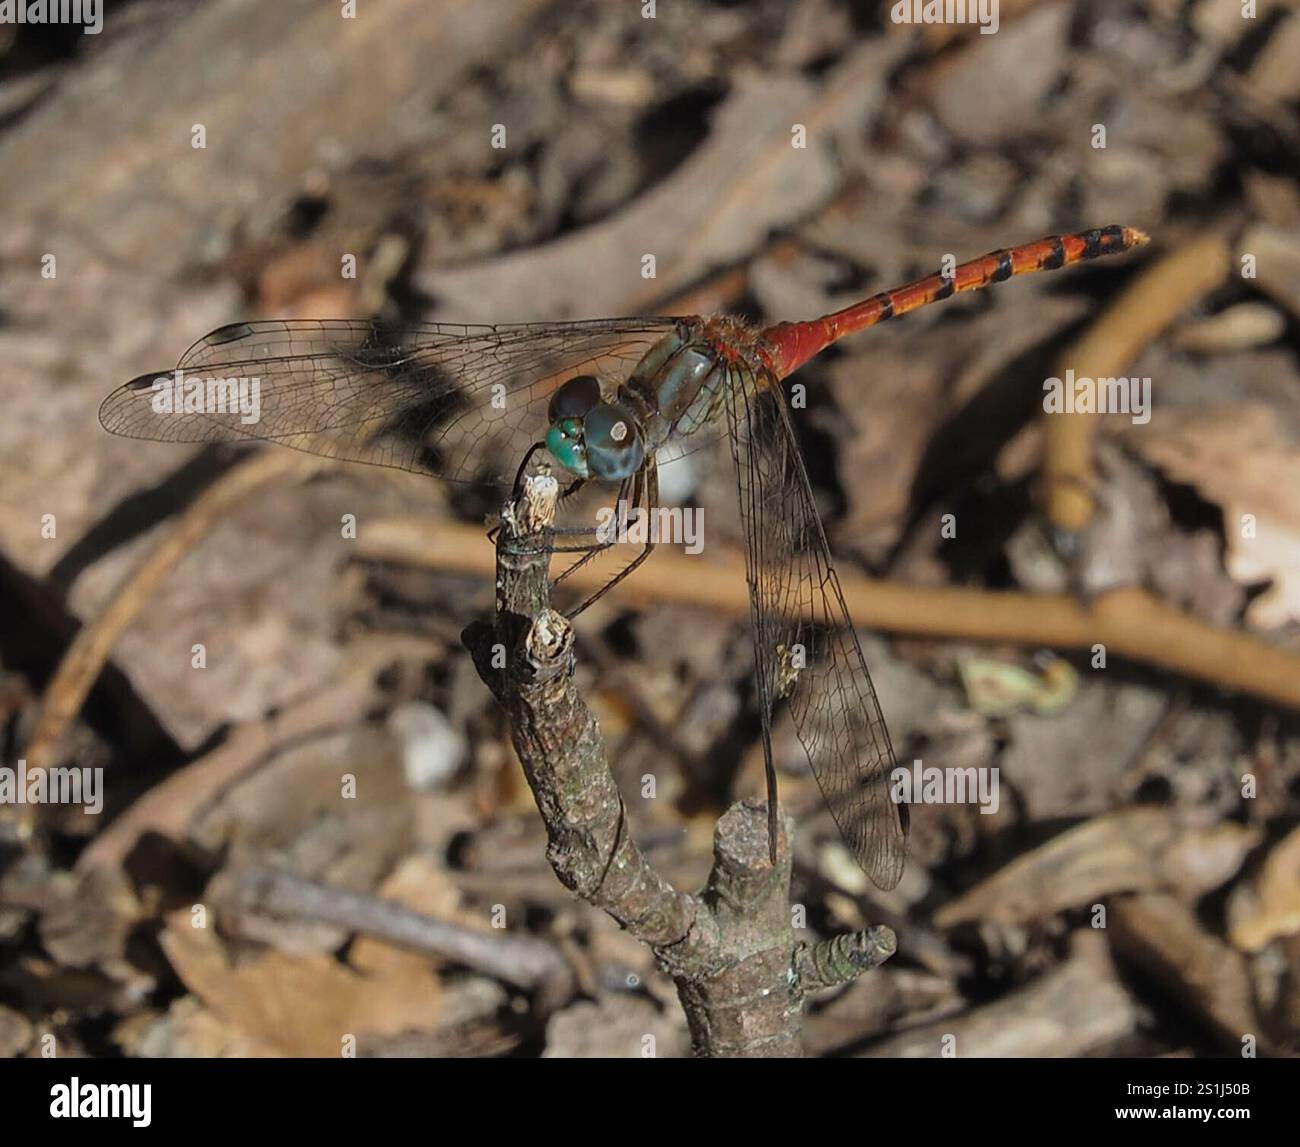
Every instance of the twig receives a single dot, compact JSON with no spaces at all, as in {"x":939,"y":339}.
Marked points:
{"x":730,"y":950}
{"x":1132,"y":321}
{"x":1130,"y":622}
{"x":842,"y":959}
{"x":85,"y":658}
{"x":523,"y":961}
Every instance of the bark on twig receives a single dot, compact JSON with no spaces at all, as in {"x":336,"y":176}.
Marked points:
{"x":730,"y":949}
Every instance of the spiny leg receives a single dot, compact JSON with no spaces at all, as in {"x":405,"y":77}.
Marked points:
{"x":517,"y":487}
{"x":590,"y":549}
{"x":651,"y":484}
{"x":599,"y":547}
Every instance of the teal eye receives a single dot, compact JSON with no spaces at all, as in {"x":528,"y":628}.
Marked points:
{"x":565,"y":442}
{"x":613,"y":439}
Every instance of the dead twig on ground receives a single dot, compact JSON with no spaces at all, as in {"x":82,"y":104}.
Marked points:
{"x":1128,"y":622}
{"x":522,"y":961}
{"x":1132,"y":320}
{"x":85,"y":658}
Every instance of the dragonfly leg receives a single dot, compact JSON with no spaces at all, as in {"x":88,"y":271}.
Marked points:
{"x":589,"y":549}
{"x":569,"y":490}
{"x":572,"y":488}
{"x":523,"y":468}
{"x":601,"y":544}
{"x":651,"y":492}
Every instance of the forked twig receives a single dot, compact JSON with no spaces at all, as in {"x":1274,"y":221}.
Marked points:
{"x":730,"y":949}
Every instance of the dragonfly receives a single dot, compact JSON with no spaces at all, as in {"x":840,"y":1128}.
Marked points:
{"x":610,"y":401}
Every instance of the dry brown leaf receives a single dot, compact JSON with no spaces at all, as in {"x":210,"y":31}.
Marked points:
{"x":744,"y":181}
{"x":87,"y":921}
{"x":299,"y":1007}
{"x":188,"y":1030}
{"x":15,"y":1032}
{"x":1274,"y":77}
{"x":1236,"y":457}
{"x":1073,"y":1009}
{"x":1027,"y":58}
{"x":616,"y":1026}
{"x":1268,"y":905}
{"x":1276,"y":251}
{"x":1134,"y":849}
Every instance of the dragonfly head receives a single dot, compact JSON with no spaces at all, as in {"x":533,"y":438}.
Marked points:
{"x":590,"y":437}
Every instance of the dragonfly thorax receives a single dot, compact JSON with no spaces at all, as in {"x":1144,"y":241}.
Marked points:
{"x":590,"y":437}
{"x":678,"y":385}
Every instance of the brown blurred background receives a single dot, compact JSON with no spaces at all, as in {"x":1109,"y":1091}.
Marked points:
{"x":1137,"y":891}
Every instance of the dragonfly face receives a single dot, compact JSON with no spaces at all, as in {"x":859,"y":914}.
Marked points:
{"x":590,"y":437}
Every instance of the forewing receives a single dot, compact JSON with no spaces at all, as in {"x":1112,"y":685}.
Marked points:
{"x":806,"y":650}
{"x":462,"y":402}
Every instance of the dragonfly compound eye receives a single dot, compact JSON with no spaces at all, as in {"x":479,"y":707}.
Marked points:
{"x":565,"y":442}
{"x":574,"y":399}
{"x":614,"y":446}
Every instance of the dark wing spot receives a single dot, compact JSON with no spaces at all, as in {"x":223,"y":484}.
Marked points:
{"x":230,"y":333}
{"x":145,"y":381}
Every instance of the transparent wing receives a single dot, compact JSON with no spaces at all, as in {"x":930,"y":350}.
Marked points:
{"x":462,"y":402}
{"x":806,"y":649}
